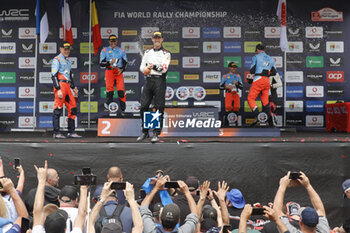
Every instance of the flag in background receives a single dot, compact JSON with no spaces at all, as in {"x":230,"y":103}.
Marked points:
{"x":66,"y":21}
{"x":282,"y":15}
{"x":96,"y":34}
{"x":42,"y":23}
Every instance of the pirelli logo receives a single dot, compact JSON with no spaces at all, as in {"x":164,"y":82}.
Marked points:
{"x":191,"y":77}
{"x":129,"y":32}
{"x":174,"y":62}
{"x":212,"y":91}
{"x":249,"y":121}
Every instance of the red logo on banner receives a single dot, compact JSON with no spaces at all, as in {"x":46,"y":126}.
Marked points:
{"x":327,"y":14}
{"x":314,"y":30}
{"x":232,"y":30}
{"x":191,"y":60}
{"x":247,"y":75}
{"x":109,"y":31}
{"x":190,"y":30}
{"x":84,"y":77}
{"x":27,"y":90}
{"x":27,"y":120}
{"x":27,"y":31}
{"x":335,"y":76}
{"x":273,"y":30}
{"x":27,"y":61}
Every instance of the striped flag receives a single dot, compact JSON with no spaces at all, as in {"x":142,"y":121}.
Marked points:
{"x":66,"y":21}
{"x":282,"y":15}
{"x":96,"y":34}
{"x":42,"y":23}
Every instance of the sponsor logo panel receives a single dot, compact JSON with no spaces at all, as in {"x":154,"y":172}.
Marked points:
{"x":315,"y":76}
{"x":335,"y":46}
{"x":45,"y":122}
{"x":131,"y":77}
{"x":249,"y":46}
{"x":232,"y":47}
{"x":191,"y":32}
{"x":7,"y":122}
{"x":25,"y":122}
{"x":26,"y":33}
{"x":232,"y":32}
{"x":211,"y":32}
{"x":314,"y":106}
{"x":211,"y":62}
{"x":335,"y":91}
{"x":335,"y":76}
{"x":7,"y":48}
{"x":84,"y":107}
{"x":211,"y":47}
{"x":272,"y":32}
{"x":191,"y":76}
{"x":235,"y":59}
{"x":130,"y":47}
{"x":172,"y":47}
{"x":295,"y":91}
{"x":314,"y":121}
{"x":106,"y":32}
{"x":7,"y":62}
{"x":84,"y":77}
{"x":173,"y":77}
{"x":314,"y":32}
{"x":191,"y":62}
{"x":314,"y":62}
{"x":7,"y":92}
{"x":295,"y":47}
{"x":7,"y":77}
{"x":294,"y":106}
{"x":327,"y":14}
{"x":314,"y":91}
{"x":7,"y":107}
{"x":48,"y":48}
{"x":294,"y":76}
{"x":26,"y":62}
{"x":335,"y":61}
{"x":46,"y":106}
{"x":147,"y":32}
{"x":25,"y":107}
{"x":211,"y":76}
{"x":26,"y":92}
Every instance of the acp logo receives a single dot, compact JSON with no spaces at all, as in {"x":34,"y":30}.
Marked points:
{"x":247,"y":76}
{"x":84,"y":77}
{"x":335,"y":76}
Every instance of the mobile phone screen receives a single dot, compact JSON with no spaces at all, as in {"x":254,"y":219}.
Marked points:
{"x":118,"y":185}
{"x":171,"y":184}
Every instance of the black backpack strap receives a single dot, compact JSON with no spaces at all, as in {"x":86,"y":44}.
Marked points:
{"x":117,"y":212}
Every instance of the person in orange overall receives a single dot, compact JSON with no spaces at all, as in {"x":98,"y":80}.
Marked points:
{"x":65,"y":92}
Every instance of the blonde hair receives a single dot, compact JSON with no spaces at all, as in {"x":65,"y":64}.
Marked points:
{"x":3,"y":209}
{"x":49,"y":209}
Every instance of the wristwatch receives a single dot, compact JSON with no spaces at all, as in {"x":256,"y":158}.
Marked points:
{"x":101,"y":200}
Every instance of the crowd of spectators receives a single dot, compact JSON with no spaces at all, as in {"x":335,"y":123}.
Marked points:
{"x":188,"y":206}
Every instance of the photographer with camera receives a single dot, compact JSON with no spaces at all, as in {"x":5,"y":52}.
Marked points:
{"x":170,"y":215}
{"x":311,"y":219}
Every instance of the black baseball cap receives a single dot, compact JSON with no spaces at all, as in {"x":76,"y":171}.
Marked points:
{"x":113,"y":38}
{"x":232,"y":64}
{"x":68,"y":193}
{"x":56,"y":222}
{"x":260,"y":47}
{"x":157,"y":34}
{"x":65,"y":44}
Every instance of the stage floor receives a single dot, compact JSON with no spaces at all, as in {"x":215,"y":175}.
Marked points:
{"x":288,"y":135}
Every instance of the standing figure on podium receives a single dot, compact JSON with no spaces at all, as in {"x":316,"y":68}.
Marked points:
{"x":114,"y":60}
{"x":231,"y":83}
{"x":65,"y":92}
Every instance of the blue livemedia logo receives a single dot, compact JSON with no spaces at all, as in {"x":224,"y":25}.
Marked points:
{"x":151,"y":120}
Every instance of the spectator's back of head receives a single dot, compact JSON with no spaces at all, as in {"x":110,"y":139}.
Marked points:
{"x":50,"y":208}
{"x":309,"y":217}
{"x":68,"y":195}
{"x":209,"y":212}
{"x":112,"y":227}
{"x":207,"y":223}
{"x":56,"y":222}
{"x":292,"y":209}
{"x":170,"y":216}
{"x":115,"y":174}
{"x":346,"y":188}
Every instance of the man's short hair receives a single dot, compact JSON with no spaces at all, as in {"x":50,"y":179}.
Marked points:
{"x":68,"y":193}
{"x":209,"y":212}
{"x":170,"y":216}
{"x":50,"y":208}
{"x":114,"y":172}
{"x":260,"y":47}
{"x":56,"y":222}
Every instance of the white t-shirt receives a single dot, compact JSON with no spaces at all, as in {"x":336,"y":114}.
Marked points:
{"x":72,"y":214}
{"x":40,"y":229}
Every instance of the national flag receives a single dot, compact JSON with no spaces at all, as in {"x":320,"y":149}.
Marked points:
{"x":96,"y":34}
{"x":42,"y":23}
{"x":282,"y":15}
{"x":66,"y":21}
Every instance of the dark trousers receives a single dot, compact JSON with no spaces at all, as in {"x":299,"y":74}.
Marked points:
{"x":153,"y":89}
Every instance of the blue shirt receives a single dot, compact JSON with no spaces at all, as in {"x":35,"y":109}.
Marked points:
{"x":61,"y":65}
{"x":108,"y":53}
{"x":125,"y":216}
{"x":262,"y":62}
{"x":228,"y":78}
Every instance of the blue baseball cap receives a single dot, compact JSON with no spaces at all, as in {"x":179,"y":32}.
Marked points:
{"x":236,"y":198}
{"x":309,"y":217}
{"x":346,"y":186}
